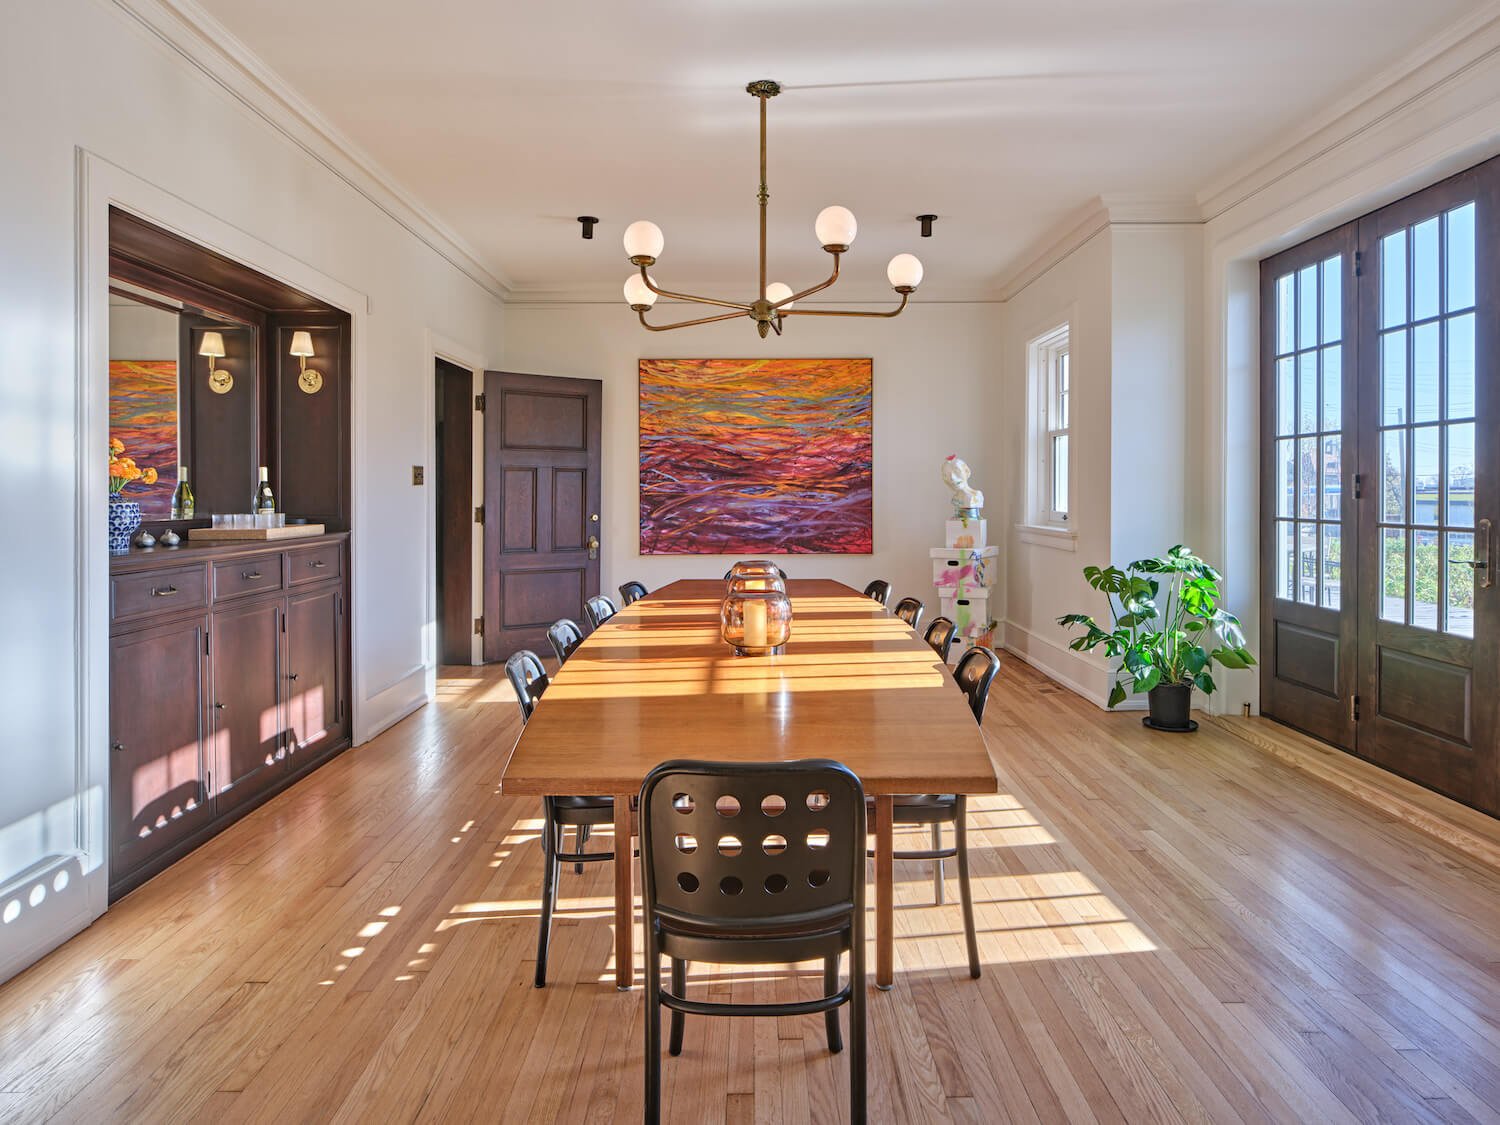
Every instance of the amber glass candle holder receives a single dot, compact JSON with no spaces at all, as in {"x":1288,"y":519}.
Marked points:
{"x":742,"y":583}
{"x":754,"y":568}
{"x":756,"y":622}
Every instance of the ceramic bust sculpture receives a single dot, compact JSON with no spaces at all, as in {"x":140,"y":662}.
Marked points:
{"x":956,"y":477}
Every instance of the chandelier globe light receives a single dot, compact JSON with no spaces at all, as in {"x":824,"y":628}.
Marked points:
{"x":835,"y":228}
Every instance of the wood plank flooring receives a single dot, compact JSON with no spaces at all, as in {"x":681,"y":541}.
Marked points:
{"x":1173,"y":929}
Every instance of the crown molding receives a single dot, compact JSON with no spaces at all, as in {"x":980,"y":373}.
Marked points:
{"x":1411,"y":79}
{"x":605,"y":293}
{"x":223,"y":59}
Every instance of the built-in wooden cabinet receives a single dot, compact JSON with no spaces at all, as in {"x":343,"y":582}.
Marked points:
{"x":228,"y":678}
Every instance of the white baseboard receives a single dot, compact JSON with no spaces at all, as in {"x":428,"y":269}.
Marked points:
{"x":1079,"y":675}
{"x":56,"y":917}
{"x":390,"y":705}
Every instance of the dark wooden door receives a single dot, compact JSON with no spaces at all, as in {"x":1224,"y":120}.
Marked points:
{"x":314,"y":684}
{"x":454,"y":470}
{"x":541,"y":505}
{"x":1429,"y":435}
{"x":159,"y":791}
{"x":249,"y":752}
{"x":1309,"y":395}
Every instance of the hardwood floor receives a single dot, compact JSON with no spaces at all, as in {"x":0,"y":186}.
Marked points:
{"x":1172,"y":928}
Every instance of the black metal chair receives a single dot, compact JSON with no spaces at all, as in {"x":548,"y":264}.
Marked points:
{"x":880,"y":590}
{"x":564,"y":636}
{"x":582,"y":814}
{"x":753,"y":864}
{"x":939,"y":636}
{"x":975,"y":673}
{"x":598,"y":610}
{"x":632,"y":592}
{"x":910,"y":611}
{"x":779,"y":571}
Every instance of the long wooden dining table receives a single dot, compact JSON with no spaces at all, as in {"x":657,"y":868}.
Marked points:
{"x":656,"y":683}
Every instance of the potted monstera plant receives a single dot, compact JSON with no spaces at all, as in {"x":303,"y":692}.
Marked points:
{"x":1167,"y":631}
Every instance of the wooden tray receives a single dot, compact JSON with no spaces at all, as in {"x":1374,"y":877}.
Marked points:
{"x":254,"y":534}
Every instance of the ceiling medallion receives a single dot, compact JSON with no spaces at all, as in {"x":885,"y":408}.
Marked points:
{"x":835,"y":228}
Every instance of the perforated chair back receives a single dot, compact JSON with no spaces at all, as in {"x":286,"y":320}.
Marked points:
{"x":598,"y":610}
{"x":975,"y":673}
{"x":756,"y":846}
{"x":529,"y":678}
{"x":880,"y":590}
{"x":632,"y":592}
{"x":910,"y":611}
{"x":939,"y":635}
{"x":564,"y":635}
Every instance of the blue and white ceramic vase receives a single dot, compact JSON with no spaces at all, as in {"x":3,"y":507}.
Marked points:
{"x":124,"y":518}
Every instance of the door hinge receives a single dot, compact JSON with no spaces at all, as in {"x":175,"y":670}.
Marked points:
{"x":1354,"y":708}
{"x":479,"y":514}
{"x":479,"y":626}
{"x":479,"y":403}
{"x":1359,"y":267}
{"x":1359,"y":491}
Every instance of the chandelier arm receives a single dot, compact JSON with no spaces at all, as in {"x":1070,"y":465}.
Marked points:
{"x":847,"y":312}
{"x":651,"y":285}
{"x":686,"y":323}
{"x":814,"y":289}
{"x":763,"y":196}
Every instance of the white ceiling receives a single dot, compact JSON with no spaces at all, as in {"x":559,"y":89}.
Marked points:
{"x":1002,"y":116}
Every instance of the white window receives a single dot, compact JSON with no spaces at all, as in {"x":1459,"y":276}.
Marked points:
{"x":1051,"y":456}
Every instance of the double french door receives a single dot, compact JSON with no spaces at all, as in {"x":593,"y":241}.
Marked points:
{"x":1381,"y":486}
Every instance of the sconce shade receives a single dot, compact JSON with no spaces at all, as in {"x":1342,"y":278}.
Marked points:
{"x":779,"y":291}
{"x":905,"y":271}
{"x":637,"y":292}
{"x":212,"y":344}
{"x":835,"y":226}
{"x":301,"y":343}
{"x":643,"y":240}
{"x":756,"y":622}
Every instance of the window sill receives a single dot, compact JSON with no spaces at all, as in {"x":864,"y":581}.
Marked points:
{"x":1041,"y":535}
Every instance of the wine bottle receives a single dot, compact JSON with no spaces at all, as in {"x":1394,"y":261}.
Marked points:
{"x":264,"y":503}
{"x":182,"y":497}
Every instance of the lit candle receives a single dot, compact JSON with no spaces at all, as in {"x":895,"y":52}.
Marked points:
{"x":755,"y":623}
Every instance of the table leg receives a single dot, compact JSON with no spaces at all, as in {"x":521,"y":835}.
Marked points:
{"x":624,"y":894}
{"x":885,"y":919}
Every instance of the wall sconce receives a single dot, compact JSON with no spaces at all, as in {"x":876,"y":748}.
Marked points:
{"x":212,"y":345}
{"x":311,"y":382}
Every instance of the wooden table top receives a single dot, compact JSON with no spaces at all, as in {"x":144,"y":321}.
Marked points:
{"x":656,"y":682}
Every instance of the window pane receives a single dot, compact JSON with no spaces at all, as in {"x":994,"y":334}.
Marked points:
{"x":1393,"y":575}
{"x":1307,"y":563}
{"x":1393,"y":378}
{"x":1060,"y":474}
{"x":1460,"y":617}
{"x":1426,"y":563}
{"x":1286,"y":318}
{"x":1393,"y":279}
{"x":1333,"y":299}
{"x":1424,"y":373}
{"x":1333,"y":388}
{"x":1062,"y":391}
{"x":1461,"y":257}
{"x":1286,"y":396}
{"x":1307,"y":307}
{"x":1333,"y":489}
{"x":1461,"y":475}
{"x":1286,"y":477}
{"x":1307,"y":393}
{"x":1393,"y":474}
{"x":1307,"y":478}
{"x":1284,"y":556}
{"x":1332,"y":563}
{"x":1426,"y":479}
{"x":1461,"y":366}
{"x":1424,"y":266}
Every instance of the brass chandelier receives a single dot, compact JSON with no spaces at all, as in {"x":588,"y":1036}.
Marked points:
{"x":835,"y":228}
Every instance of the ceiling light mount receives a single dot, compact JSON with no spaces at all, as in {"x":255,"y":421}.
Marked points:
{"x":926,"y":221}
{"x":588,"y":223}
{"x":835,"y":229}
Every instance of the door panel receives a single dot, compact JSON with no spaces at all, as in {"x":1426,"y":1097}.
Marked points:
{"x":248,"y":750}
{"x":314,"y":697}
{"x":542,"y":488}
{"x":455,"y":512}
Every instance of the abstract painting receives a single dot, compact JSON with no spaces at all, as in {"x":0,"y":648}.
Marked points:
{"x":143,"y":414}
{"x":756,"y":456}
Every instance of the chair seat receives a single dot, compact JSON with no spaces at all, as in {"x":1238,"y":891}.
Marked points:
{"x":583,"y":810}
{"x":921,"y":808}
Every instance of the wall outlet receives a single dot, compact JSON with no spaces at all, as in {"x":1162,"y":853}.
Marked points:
{"x":416,"y":474}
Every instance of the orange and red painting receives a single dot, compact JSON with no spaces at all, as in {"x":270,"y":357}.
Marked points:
{"x":143,"y":414}
{"x":756,"y":456}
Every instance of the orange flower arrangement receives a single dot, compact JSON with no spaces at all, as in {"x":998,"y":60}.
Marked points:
{"x":123,"y":470}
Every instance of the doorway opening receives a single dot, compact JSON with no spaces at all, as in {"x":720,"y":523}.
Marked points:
{"x":453,"y":480}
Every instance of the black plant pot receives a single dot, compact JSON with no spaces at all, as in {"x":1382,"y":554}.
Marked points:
{"x":1171,"y":707}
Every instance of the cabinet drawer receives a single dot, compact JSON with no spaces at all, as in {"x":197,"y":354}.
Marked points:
{"x":247,"y":576}
{"x":157,"y":591}
{"x":315,"y":564}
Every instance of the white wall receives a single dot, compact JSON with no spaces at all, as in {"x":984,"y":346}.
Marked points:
{"x":936,"y":392}
{"x":141,"y":332}
{"x":85,"y":75}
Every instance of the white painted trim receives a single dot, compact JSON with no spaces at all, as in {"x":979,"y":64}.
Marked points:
{"x":387,"y":707}
{"x":1070,"y":669}
{"x":223,"y":59}
{"x":1040,"y":535}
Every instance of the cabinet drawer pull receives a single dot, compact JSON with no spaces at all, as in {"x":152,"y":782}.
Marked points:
{"x":249,"y":575}
{"x":218,"y":706}
{"x":163,"y":592}
{"x":317,"y":564}
{"x":291,"y":675}
{"x":117,"y":747}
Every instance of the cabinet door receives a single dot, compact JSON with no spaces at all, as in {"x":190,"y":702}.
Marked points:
{"x":248,"y":748}
{"x":158,"y":790}
{"x":317,"y":713}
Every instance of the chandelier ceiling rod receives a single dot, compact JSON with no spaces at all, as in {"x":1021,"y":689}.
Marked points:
{"x":835,"y":228}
